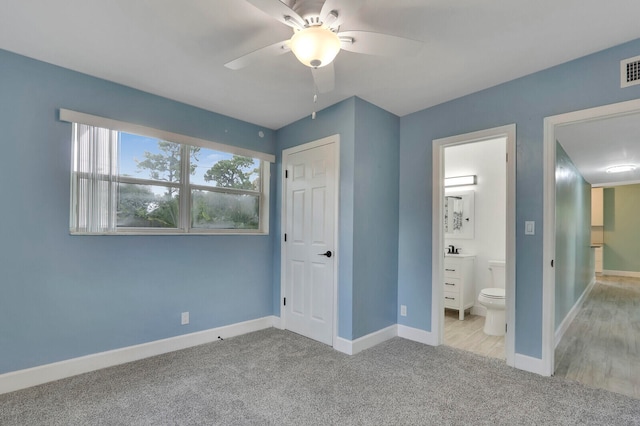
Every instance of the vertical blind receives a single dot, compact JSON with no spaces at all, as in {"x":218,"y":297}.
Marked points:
{"x":94,"y":194}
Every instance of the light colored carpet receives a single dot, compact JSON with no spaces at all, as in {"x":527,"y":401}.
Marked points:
{"x":279,"y":378}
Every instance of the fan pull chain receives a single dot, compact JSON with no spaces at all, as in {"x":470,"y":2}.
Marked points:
{"x":315,"y":100}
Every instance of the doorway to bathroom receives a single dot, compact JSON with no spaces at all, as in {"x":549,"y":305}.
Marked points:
{"x":474,"y":242}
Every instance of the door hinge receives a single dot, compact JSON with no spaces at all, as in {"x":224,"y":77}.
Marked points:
{"x":507,"y":157}
{"x":506,"y":326}
{"x":285,"y":238}
{"x":552,"y":263}
{"x":286,"y":174}
{"x":285,"y":301}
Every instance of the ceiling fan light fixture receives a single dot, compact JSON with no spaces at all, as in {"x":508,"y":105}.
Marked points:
{"x":621,"y":168}
{"x":315,"y":46}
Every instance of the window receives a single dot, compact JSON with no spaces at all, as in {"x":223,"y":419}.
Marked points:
{"x":128,"y":179}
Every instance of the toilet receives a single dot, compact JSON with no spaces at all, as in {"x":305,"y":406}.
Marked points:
{"x":493,"y":298}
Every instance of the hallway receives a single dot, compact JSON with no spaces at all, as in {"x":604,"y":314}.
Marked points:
{"x":601,"y":348}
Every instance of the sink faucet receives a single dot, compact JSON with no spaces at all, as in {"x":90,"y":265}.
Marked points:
{"x":452,"y":249}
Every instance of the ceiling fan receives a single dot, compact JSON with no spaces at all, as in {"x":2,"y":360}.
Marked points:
{"x":317,"y":38}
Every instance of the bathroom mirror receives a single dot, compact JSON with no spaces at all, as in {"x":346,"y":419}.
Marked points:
{"x":458,"y":215}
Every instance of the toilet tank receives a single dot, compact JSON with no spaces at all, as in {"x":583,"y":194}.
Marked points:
{"x":498,"y":274}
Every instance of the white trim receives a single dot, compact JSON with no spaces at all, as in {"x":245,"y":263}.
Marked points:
{"x":437,"y":244}
{"x":437,"y":309}
{"x":265,"y":198}
{"x":510,"y":235}
{"x":343,"y":345}
{"x":417,"y":335}
{"x":548,"y":248}
{"x":123,"y":126}
{"x":573,"y":312}
{"x":277,"y":323}
{"x":530,"y":364}
{"x":631,"y":274}
{"x":352,"y":347}
{"x":178,"y":231}
{"x":333,"y":139}
{"x":549,"y":207}
{"x":22,"y":379}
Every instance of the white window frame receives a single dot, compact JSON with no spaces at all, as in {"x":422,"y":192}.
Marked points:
{"x":184,"y":226}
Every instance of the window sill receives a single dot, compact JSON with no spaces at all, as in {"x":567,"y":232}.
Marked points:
{"x":142,"y":233}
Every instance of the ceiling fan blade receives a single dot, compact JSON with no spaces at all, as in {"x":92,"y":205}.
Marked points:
{"x":324,"y":78}
{"x":279,"y":11}
{"x":273,"y":50}
{"x":378,"y":44}
{"x":344,"y":9}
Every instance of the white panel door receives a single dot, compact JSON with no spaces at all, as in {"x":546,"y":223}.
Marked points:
{"x":308,"y":268}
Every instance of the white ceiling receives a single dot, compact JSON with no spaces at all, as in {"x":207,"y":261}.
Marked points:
{"x":594,"y":146}
{"x":178,"y":48}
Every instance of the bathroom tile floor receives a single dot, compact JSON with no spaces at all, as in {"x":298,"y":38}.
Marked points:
{"x":601,"y":347}
{"x":468,"y":335}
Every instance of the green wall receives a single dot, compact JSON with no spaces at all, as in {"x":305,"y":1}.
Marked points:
{"x":622,"y":228}
{"x":573,"y":261}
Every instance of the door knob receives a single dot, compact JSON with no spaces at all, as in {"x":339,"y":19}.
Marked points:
{"x":327,"y":253}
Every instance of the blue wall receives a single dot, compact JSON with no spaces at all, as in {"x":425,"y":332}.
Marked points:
{"x":375,"y":245}
{"x":66,"y":296}
{"x":59,"y":299}
{"x":583,"y":83}
{"x":573,"y":268}
{"x":367,"y":246}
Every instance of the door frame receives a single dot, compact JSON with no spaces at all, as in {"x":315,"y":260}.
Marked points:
{"x":437,"y":303}
{"x":549,"y":207}
{"x":333,"y":139}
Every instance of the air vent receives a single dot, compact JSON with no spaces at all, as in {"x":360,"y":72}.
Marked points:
{"x":630,"y":72}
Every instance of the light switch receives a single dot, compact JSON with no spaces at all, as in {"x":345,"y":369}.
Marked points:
{"x":529,"y":227}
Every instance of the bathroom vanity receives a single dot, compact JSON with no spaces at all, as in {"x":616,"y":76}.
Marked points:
{"x":459,"y":285}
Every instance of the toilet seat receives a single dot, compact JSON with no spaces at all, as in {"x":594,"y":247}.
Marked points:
{"x":493,"y":293}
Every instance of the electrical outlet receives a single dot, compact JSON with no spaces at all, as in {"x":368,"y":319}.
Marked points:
{"x":184,"y":319}
{"x":403,"y":310}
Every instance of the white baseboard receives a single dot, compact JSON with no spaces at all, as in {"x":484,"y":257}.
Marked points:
{"x":277,"y":323}
{"x":566,"y":322}
{"x":352,"y":347}
{"x":632,"y":274}
{"x":417,"y":335}
{"x":22,"y":379}
{"x":342,"y":345}
{"x":530,"y":364}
